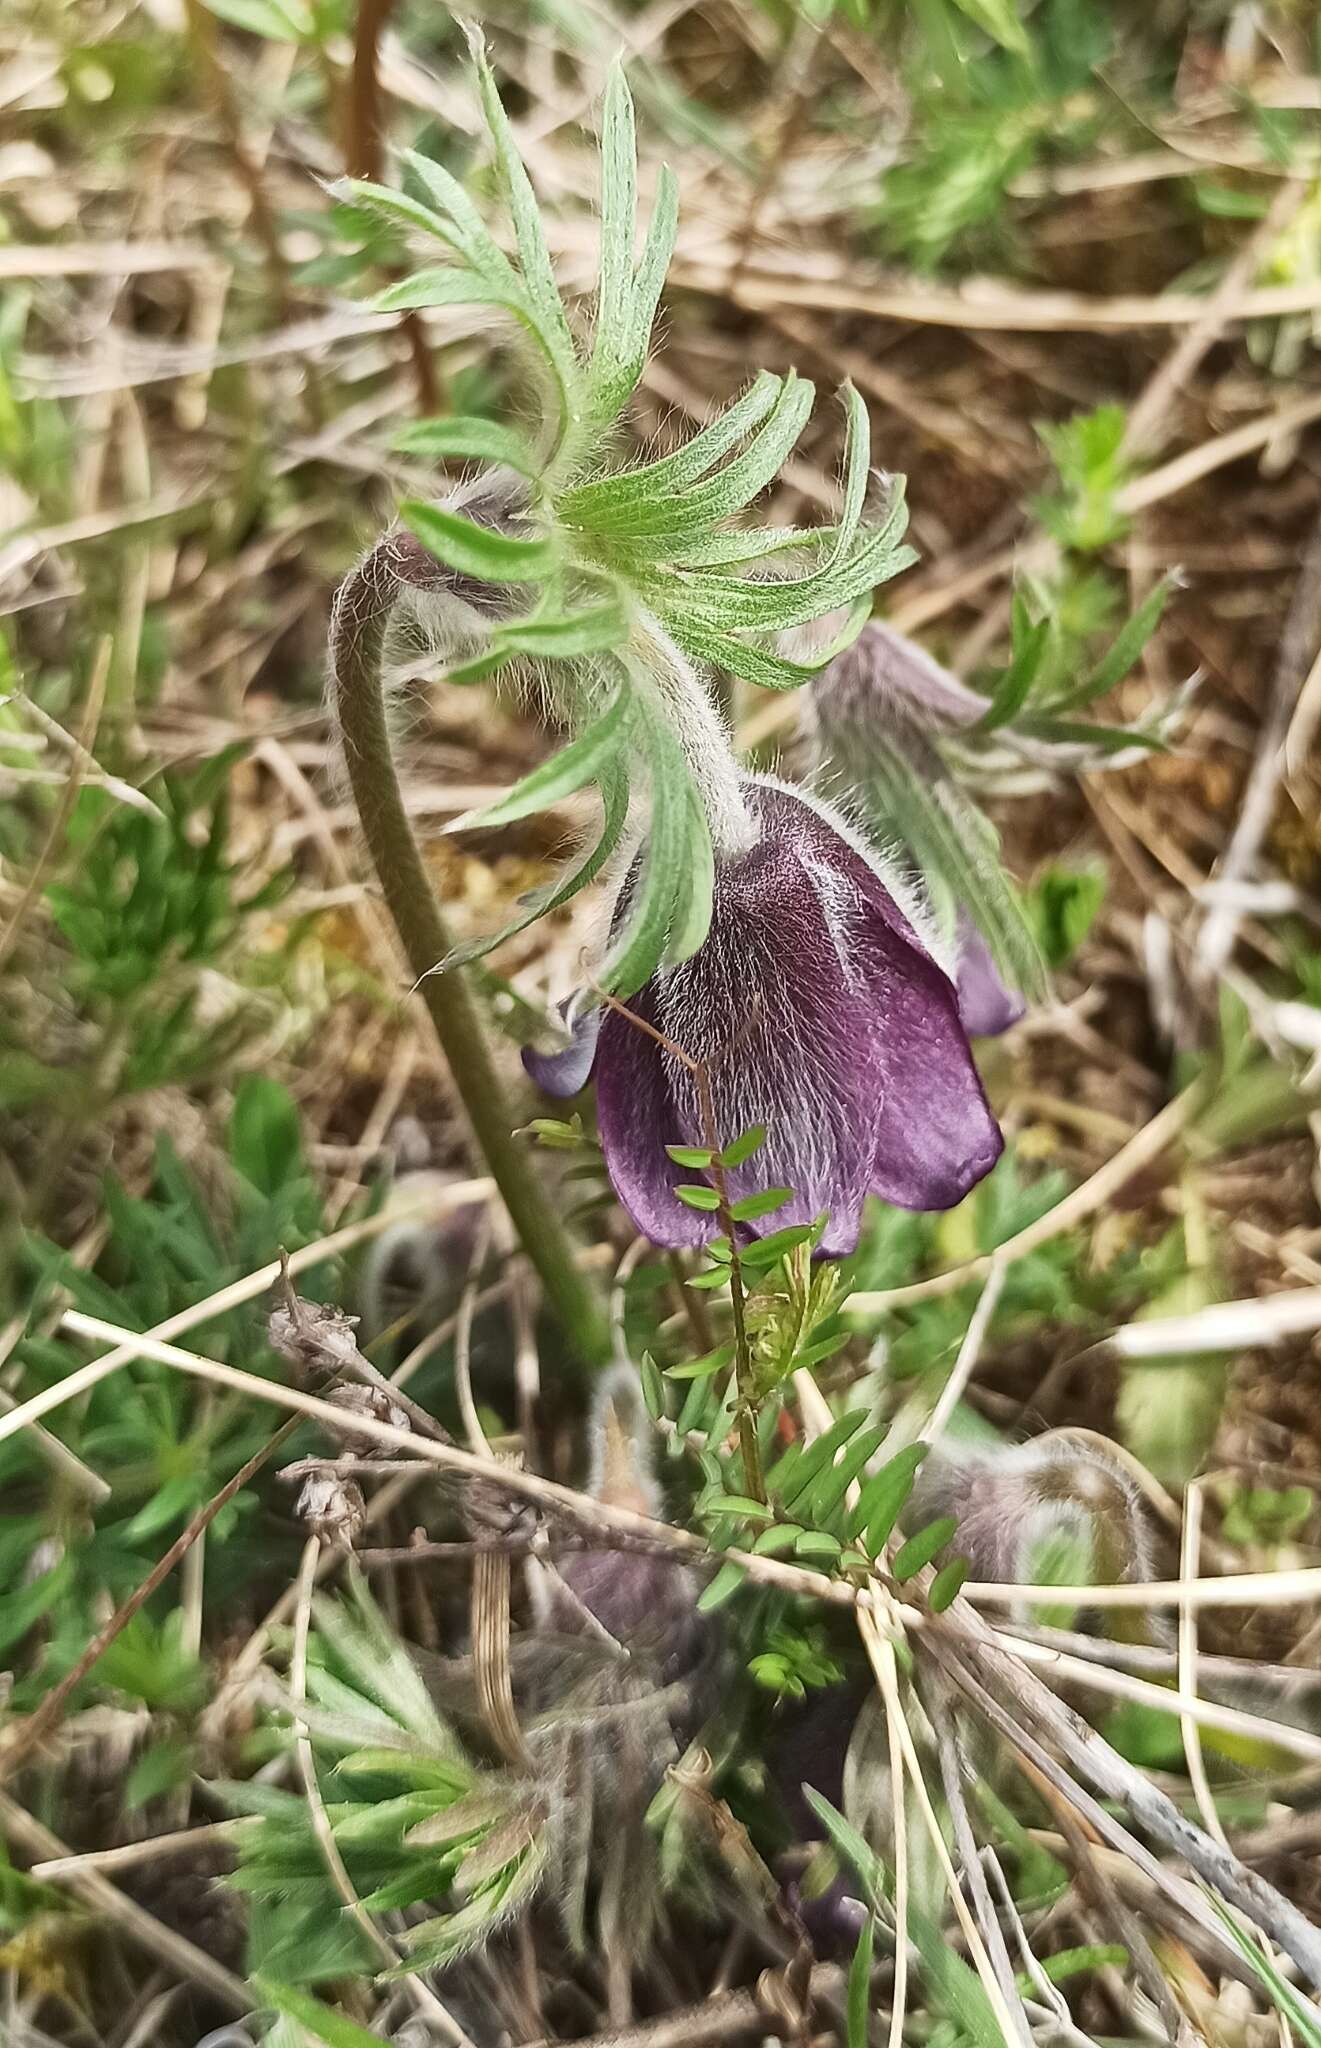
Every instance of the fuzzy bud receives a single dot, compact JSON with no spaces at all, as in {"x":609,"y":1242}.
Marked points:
{"x":376,"y":1405}
{"x":317,"y":1340}
{"x":332,"y":1507}
{"x":1058,"y":1507}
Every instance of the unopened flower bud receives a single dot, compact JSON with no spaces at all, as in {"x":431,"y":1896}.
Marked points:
{"x":315,"y":1338}
{"x":373,"y":1402}
{"x":332,"y":1507}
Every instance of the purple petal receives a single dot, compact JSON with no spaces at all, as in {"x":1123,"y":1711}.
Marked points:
{"x":819,"y":1013}
{"x":886,"y":679}
{"x":636,"y":1119}
{"x":568,"y":1071}
{"x":986,"y":1006}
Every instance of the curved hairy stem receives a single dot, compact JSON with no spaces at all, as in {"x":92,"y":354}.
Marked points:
{"x":361,"y":613}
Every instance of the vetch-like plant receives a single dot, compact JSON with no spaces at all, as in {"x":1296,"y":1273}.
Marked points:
{"x":616,"y":588}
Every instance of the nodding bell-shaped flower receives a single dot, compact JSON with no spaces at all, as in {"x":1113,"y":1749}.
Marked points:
{"x":820,"y":1008}
{"x":879,"y":711}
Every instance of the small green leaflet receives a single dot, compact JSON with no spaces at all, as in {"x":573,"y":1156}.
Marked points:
{"x":814,"y":1460}
{"x":947,"y":1584}
{"x":702,"y":1368}
{"x":922,"y":1547}
{"x":882,"y":1499}
{"x":722,"y":1587}
{"x":765,"y":1204}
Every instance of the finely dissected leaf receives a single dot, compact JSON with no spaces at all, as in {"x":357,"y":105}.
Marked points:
{"x":474,"y":550}
{"x":1100,"y":739}
{"x":550,"y":895}
{"x":626,"y":302}
{"x":619,"y":199}
{"x":753,"y":664}
{"x":598,"y":502}
{"x":571,"y":769}
{"x":732,"y":487}
{"x":453,"y":284}
{"x":1011,"y":692}
{"x":533,"y":255}
{"x":464,"y":228}
{"x":469,"y":437}
{"x":884,"y":1496}
{"x":646,"y":934}
{"x":1128,"y":644}
{"x":922,"y":1547}
{"x":857,"y":457}
{"x":768,"y":606}
{"x":649,"y":277}
{"x":594,"y":630}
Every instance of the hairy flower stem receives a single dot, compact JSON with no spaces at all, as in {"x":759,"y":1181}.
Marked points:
{"x":357,"y":634}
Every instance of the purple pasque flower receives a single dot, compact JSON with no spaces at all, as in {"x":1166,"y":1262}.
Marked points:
{"x":820,"y":1009}
{"x":879,"y":712}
